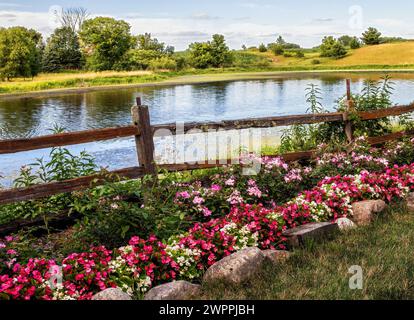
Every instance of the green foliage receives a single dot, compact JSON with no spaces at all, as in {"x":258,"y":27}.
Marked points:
{"x":277,"y":49}
{"x":116,"y":211}
{"x":332,"y":48}
{"x":374,"y":96}
{"x":105,"y":41}
{"x":345,"y":40}
{"x":250,"y":60}
{"x":163,"y":63}
{"x":262,"y":48}
{"x":62,"y":51}
{"x":303,"y":137}
{"x":215,"y":53}
{"x":20,"y":52}
{"x":371,"y":37}
{"x":62,"y":166}
{"x":355,"y":43}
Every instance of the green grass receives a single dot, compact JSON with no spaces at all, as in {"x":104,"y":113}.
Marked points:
{"x":383,"y":250}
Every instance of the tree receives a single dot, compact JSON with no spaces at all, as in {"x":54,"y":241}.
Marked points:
{"x":371,"y":37}
{"x":280,"y":41}
{"x":213,"y":53}
{"x":345,"y":40}
{"x":220,"y":51}
{"x":277,"y":49}
{"x":73,"y":18}
{"x":105,"y":41}
{"x":332,"y":48}
{"x":62,"y":51}
{"x":355,"y":44}
{"x":262,"y":48}
{"x":20,"y":52}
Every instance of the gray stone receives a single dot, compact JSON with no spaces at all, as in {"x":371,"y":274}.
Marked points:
{"x":276,"y":256}
{"x":309,"y":232}
{"x":112,"y":294}
{"x":410,"y":202}
{"x":236,"y":268}
{"x":364,"y":211}
{"x":345,"y":224}
{"x":177,"y":290}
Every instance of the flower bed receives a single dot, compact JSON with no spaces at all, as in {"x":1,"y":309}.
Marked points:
{"x":145,"y":263}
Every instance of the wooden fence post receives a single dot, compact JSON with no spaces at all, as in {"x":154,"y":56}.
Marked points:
{"x":144,"y":141}
{"x":349,"y":131}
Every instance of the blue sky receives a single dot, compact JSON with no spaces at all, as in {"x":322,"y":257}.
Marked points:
{"x":249,"y":22}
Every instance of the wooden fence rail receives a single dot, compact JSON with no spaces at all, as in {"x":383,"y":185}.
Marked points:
{"x":143,"y":132}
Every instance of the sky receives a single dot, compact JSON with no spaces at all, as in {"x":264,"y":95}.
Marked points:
{"x":243,"y":22}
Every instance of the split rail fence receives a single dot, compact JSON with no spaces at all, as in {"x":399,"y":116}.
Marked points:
{"x":143,"y":131}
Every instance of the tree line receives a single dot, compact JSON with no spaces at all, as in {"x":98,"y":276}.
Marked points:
{"x":98,"y":44}
{"x":331,"y":47}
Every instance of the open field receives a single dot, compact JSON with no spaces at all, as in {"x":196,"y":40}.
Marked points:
{"x":387,"y":57}
{"x":383,"y":250}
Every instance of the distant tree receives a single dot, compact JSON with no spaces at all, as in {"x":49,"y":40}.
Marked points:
{"x":62,"y":51}
{"x":371,"y":37}
{"x":244,"y":48}
{"x":277,"y":49}
{"x":73,"y":18}
{"x":222,"y":56}
{"x":331,"y":47}
{"x":355,"y":43}
{"x":105,"y":41}
{"x":213,"y":53}
{"x":20,"y":52}
{"x":280,"y":41}
{"x":345,"y":40}
{"x":262,"y":48}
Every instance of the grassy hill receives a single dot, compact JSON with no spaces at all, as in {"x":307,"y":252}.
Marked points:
{"x":400,"y":53}
{"x":390,"y":54}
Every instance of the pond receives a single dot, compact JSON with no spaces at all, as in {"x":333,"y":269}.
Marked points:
{"x":280,"y":95}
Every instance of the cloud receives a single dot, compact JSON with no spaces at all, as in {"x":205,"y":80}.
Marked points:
{"x":389,"y":23}
{"x":204,"y":16}
{"x":323,"y":20}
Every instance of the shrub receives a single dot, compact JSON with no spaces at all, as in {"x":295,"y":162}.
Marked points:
{"x":332,"y":48}
{"x":163,"y":63}
{"x":262,"y":48}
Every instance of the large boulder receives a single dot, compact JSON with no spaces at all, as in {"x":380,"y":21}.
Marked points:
{"x":177,"y":290}
{"x":112,"y":294}
{"x":364,"y":211}
{"x":276,"y":256}
{"x":236,"y":268}
{"x":309,"y":232}
{"x":410,"y":202}
{"x":345,"y":224}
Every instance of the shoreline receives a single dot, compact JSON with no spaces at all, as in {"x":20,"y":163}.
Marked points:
{"x":193,"y":79}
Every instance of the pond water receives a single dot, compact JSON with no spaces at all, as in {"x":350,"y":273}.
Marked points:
{"x":281,"y":95}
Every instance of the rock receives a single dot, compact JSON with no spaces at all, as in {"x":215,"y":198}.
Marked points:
{"x":177,"y":290}
{"x":364,"y":211}
{"x":112,"y":294}
{"x":276,"y":256}
{"x":309,"y":232}
{"x":237,"y":267}
{"x":410,"y":202}
{"x":345,"y":224}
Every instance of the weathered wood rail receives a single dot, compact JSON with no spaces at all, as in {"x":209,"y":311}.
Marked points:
{"x":143,"y":132}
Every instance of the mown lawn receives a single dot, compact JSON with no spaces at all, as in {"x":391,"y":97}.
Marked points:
{"x":384,"y":250}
